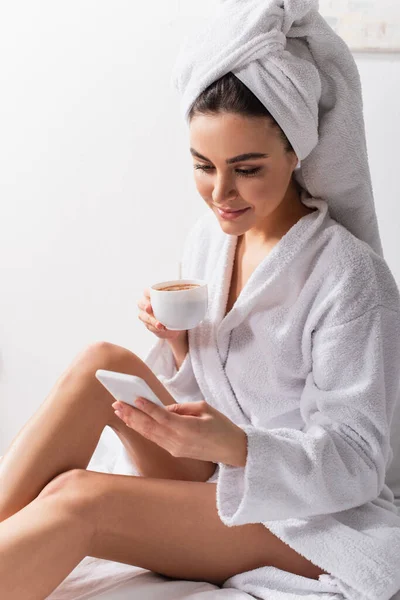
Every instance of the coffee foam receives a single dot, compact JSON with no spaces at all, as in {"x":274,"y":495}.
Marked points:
{"x":178,"y":287}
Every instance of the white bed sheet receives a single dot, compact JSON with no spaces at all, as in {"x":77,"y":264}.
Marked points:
{"x":96,"y":578}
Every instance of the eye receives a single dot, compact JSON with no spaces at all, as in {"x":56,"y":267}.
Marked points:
{"x":240,"y":172}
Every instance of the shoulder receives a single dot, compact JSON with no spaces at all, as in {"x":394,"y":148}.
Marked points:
{"x":354,"y":278}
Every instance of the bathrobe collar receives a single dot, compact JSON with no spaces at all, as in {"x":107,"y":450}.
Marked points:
{"x":209,"y":341}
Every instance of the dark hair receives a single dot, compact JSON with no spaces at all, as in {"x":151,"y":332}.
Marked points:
{"x":229,"y":94}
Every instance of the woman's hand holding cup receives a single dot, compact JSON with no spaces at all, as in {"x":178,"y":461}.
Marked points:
{"x":146,"y":315}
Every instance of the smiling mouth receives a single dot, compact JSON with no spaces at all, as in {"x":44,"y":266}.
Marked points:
{"x":230,"y":210}
{"x":231,"y":215}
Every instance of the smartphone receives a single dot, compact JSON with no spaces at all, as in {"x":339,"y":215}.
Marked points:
{"x":126,"y":388}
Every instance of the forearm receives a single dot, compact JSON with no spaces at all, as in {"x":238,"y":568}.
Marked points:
{"x":180,"y":348}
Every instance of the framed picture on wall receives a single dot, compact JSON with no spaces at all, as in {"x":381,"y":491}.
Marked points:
{"x":365,"y":25}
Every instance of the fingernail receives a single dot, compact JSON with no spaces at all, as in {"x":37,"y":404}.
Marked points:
{"x":118,"y":413}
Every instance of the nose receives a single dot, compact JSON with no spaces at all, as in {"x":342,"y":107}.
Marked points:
{"x":223,"y":190}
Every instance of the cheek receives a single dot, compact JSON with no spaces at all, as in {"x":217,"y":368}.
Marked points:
{"x":264,"y":195}
{"x":256,"y":192}
{"x":204,"y":186}
{"x":272,"y":184}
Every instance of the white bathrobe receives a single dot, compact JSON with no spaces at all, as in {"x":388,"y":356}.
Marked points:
{"x":307,"y":363}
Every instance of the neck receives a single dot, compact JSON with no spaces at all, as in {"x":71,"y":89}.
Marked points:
{"x":274,"y":227}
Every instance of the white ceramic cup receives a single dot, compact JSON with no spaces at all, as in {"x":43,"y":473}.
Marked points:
{"x":179,"y":310}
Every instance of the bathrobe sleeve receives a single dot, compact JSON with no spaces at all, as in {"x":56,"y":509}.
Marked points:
{"x":338,"y":460}
{"x":181,"y":383}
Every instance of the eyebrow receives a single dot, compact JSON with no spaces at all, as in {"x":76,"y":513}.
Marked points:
{"x":234,"y":159}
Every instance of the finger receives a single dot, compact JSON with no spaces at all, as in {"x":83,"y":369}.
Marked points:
{"x":145,"y":305}
{"x":151,"y":322}
{"x":148,"y":427}
{"x":142,"y":423}
{"x":189,"y":408}
{"x":158,"y":413}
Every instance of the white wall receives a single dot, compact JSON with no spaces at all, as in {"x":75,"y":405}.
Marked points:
{"x":96,"y":182}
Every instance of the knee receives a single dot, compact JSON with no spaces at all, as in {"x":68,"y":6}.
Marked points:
{"x":73,"y":490}
{"x":101,"y":355}
{"x":75,"y":496}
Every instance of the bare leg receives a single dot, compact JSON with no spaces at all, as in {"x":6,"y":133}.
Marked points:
{"x":39,"y":546}
{"x":170,"y":527}
{"x":64,"y":432}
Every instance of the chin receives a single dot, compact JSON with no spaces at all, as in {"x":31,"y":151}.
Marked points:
{"x":232,"y":228}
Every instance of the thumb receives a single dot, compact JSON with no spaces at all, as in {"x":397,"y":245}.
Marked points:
{"x":186,"y":408}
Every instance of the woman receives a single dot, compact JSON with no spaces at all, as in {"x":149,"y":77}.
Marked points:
{"x":204,"y":462}
{"x":54,"y":510}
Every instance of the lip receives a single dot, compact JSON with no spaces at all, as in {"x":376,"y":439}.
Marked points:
{"x":230,"y":210}
{"x":230,"y":215}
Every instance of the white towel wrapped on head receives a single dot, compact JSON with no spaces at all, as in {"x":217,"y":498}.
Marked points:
{"x":306,"y":77}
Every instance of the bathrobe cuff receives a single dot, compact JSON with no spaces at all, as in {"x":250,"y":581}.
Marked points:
{"x":266,"y":489}
{"x":181,"y":383}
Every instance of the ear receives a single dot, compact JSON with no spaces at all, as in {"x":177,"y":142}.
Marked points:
{"x":296,"y":162}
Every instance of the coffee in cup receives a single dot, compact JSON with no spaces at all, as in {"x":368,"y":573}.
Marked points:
{"x":179,"y":286}
{"x":179,"y":304}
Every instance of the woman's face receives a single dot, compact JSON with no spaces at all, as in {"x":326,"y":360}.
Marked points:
{"x":258,"y":185}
